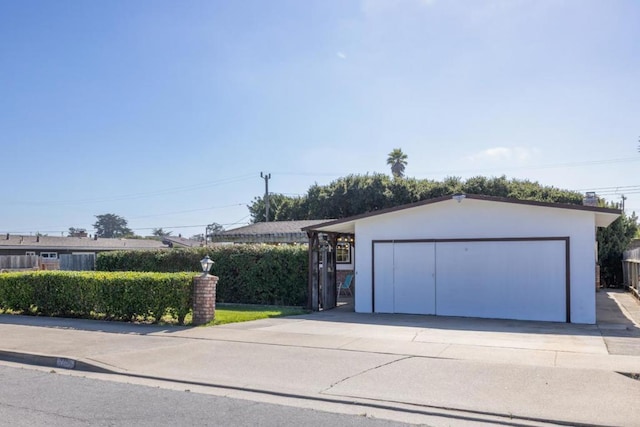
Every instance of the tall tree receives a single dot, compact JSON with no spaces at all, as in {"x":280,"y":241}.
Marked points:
{"x":279,"y":205}
{"x":357,"y":194}
{"x":214,"y":228}
{"x":77,"y":232}
{"x":197,"y":237}
{"x":111,"y":225}
{"x":159,"y":232}
{"x":397,"y":160}
{"x":612,"y":242}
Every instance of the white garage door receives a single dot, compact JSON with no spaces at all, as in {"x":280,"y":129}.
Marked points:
{"x":502,"y":279}
{"x":405,"y":278}
{"x":523,"y":279}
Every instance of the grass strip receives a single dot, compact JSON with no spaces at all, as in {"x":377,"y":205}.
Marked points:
{"x":233,"y":313}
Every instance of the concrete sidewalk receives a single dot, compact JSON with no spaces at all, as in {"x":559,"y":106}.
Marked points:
{"x":449,"y":371}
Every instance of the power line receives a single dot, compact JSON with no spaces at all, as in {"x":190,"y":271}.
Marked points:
{"x":613,"y":191}
{"x":616,"y":193}
{"x":134,"y":228}
{"x":609,"y":188}
{"x":465,"y":171}
{"x":188,"y":211}
{"x":231,"y":180}
{"x":192,"y":187}
{"x":172,"y":226}
{"x":185,"y":226}
{"x":57,"y":229}
{"x":548,"y":166}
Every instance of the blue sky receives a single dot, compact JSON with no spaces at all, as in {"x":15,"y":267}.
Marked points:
{"x":166,"y":112}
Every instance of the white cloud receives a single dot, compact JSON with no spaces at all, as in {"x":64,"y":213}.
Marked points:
{"x":501,"y":154}
{"x":341,"y":55}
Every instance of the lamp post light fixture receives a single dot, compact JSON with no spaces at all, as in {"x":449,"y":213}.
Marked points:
{"x":206,"y":264}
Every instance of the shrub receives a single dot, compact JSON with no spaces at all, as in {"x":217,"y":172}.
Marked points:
{"x":121,"y":296}
{"x":249,"y":274}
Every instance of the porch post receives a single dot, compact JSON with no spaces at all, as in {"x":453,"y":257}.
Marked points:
{"x":313,"y":284}
{"x":332,"y":294}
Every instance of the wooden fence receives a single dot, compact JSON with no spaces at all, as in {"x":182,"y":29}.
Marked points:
{"x":78,"y":262}
{"x":631,"y":270}
{"x":73,"y":262}
{"x":18,"y":262}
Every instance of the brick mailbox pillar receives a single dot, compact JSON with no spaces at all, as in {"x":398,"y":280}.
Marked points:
{"x":204,"y":299}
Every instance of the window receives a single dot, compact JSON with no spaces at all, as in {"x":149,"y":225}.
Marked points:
{"x":343,"y":253}
{"x":49,"y":255}
{"x":31,"y":253}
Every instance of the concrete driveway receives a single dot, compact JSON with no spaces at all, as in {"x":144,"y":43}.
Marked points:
{"x":612,"y":344}
{"x":618,"y":320}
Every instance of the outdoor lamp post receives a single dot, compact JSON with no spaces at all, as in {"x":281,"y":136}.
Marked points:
{"x":206,"y":264}
{"x":204,"y":294}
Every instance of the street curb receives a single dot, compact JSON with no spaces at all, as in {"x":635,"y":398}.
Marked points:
{"x":54,"y":362}
{"x":388,"y":405}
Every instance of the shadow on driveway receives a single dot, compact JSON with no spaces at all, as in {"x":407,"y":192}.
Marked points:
{"x":611,"y":320}
{"x":618,"y":321}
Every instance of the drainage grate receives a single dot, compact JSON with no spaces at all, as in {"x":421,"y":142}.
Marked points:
{"x":62,"y":362}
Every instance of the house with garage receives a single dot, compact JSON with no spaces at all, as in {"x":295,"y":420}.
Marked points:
{"x":470,"y":256}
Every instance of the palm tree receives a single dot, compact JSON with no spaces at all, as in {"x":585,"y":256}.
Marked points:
{"x":398,"y":160}
{"x":159,"y":232}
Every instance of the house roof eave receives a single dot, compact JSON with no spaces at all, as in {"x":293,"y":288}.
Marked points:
{"x":603,"y":216}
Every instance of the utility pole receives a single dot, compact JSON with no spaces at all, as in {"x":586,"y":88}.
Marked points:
{"x":266,"y":177}
{"x":623,"y":197}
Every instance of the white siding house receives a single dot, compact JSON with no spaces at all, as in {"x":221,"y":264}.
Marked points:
{"x":477,"y":256}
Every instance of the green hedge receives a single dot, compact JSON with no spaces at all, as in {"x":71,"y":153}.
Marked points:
{"x":249,"y":274}
{"x":121,"y":296}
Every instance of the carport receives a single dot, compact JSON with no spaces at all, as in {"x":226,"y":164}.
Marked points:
{"x":473,"y":256}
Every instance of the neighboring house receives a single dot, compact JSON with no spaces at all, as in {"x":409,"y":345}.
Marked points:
{"x":50,"y":249}
{"x":52,"y":246}
{"x":287,"y":232}
{"x":180,"y":242}
{"x":475,"y":256}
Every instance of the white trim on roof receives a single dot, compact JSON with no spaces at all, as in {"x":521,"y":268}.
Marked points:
{"x":603,"y":216}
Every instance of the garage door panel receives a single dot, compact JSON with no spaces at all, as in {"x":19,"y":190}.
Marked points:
{"x":414,"y":278}
{"x":501,"y":279}
{"x":383,"y":277}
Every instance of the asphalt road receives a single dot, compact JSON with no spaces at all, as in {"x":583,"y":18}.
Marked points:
{"x":31,"y":397}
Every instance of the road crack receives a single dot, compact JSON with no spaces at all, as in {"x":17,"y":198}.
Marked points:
{"x":364,"y":372}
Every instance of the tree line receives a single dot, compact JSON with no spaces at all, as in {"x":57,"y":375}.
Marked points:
{"x":358,"y":194}
{"x":115,"y":226}
{"x":107,"y":226}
